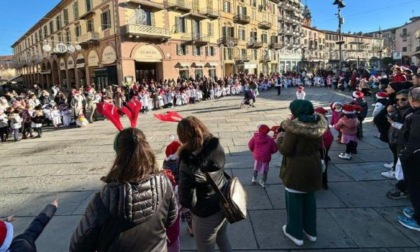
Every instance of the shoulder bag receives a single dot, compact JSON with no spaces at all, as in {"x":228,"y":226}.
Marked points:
{"x":233,"y":198}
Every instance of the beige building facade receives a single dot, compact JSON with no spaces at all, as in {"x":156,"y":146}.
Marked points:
{"x":114,"y":41}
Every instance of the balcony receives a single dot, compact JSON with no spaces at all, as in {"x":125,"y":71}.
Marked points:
{"x":265,"y":59}
{"x":87,"y":14}
{"x":228,"y":41}
{"x":241,"y":19}
{"x":153,"y":5}
{"x":241,"y":58}
{"x":196,"y":39}
{"x":254,"y":44}
{"x":179,"y":5}
{"x":145,"y":31}
{"x":88,"y":38}
{"x":275,"y":46}
{"x":264,"y":25}
{"x":404,"y":35}
{"x":211,"y":12}
{"x":275,"y":1}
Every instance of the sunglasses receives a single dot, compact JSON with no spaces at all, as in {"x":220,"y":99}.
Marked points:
{"x":402,"y":99}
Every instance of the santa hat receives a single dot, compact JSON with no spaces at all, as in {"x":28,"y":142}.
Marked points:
{"x":300,"y":88}
{"x":348,"y":109}
{"x":321,"y":110}
{"x":6,"y":235}
{"x":263,"y":129}
{"x":381,"y":95}
{"x":172,"y":148}
{"x":358,"y":94}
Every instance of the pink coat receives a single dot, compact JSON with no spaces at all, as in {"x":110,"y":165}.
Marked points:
{"x":335,"y":116}
{"x":262,"y":146}
{"x":347,"y":126}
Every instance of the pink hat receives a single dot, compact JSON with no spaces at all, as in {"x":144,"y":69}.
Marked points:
{"x":6,"y":235}
{"x":381,"y":95}
{"x":263,"y":129}
{"x":358,"y":94}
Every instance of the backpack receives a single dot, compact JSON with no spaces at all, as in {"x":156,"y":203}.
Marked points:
{"x":233,"y":198}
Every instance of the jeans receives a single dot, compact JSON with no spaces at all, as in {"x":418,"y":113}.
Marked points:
{"x":16,"y":134}
{"x":211,"y":230}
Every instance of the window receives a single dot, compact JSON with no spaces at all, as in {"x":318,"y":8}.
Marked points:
{"x":228,"y":32}
{"x":254,"y":3}
{"x":106,"y":20}
{"x":227,"y":6}
{"x":210,"y":29}
{"x":404,"y":49}
{"x":228,"y":53}
{"x":76,"y":10}
{"x":88,"y":5}
{"x":58,"y":22}
{"x":196,"y":50}
{"x":77,"y":30}
{"x":68,"y":36}
{"x":181,"y":26}
{"x":254,"y":54}
{"x":241,"y":34}
{"x":182,"y":49}
{"x":45,"y":31}
{"x":51,"y":24}
{"x":66,"y":16}
{"x":90,"y":25}
{"x":264,"y":37}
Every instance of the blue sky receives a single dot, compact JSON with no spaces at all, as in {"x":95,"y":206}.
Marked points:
{"x":17,"y":16}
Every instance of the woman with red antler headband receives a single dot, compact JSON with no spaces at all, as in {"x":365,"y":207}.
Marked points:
{"x":201,"y":152}
{"x":137,"y":203}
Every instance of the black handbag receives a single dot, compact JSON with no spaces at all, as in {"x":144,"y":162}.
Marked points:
{"x":233,"y":198}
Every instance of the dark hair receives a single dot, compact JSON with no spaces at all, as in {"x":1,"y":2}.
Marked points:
{"x":403,"y":92}
{"x":135,"y":158}
{"x":192,"y":132}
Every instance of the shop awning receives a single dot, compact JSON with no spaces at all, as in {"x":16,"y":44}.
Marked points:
{"x":197,"y":65}
{"x":416,"y":53}
{"x":182,"y":65}
{"x":211,"y":64}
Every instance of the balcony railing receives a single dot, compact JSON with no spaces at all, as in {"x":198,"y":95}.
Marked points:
{"x":241,"y":19}
{"x":150,"y":4}
{"x":211,"y":12}
{"x":181,"y":5}
{"x":88,"y":37}
{"x":404,"y":35}
{"x":254,"y":44}
{"x":196,"y":39}
{"x":243,"y":58}
{"x":137,"y":30}
{"x":275,"y":45}
{"x":264,"y":25}
{"x":228,"y":41}
{"x":265,"y":59}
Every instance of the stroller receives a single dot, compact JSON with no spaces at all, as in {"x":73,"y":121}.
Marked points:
{"x":249,"y":99}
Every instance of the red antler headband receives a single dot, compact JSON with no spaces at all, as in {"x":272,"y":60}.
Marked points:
{"x":112,"y":113}
{"x":170,"y":116}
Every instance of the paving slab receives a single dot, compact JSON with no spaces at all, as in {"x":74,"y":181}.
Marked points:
{"x":372,"y":229}
{"x":363,"y":171}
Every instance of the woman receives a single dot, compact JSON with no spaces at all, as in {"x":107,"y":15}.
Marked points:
{"x":201,"y":152}
{"x":301,"y":170}
{"x":134,"y":208}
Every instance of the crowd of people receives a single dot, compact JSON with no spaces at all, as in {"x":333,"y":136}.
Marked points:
{"x":140,"y":204}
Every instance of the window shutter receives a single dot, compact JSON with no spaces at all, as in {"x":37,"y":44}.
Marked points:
{"x":178,"y":52}
{"x":152,"y":19}
{"x":186,"y":50}
{"x":177,"y":24}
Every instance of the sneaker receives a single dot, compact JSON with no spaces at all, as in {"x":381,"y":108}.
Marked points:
{"x":254,"y":180}
{"x":396,"y":194}
{"x":408,"y":222}
{"x":262,"y":183}
{"x":389,"y":174}
{"x":408,"y":212}
{"x":310,"y":237}
{"x":389,"y":165}
{"x":345,"y":156}
{"x":296,"y":241}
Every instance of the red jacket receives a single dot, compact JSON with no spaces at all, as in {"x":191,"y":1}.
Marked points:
{"x":399,"y":78}
{"x":262,"y":146}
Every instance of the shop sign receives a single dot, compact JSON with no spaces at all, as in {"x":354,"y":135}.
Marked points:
{"x":93,"y":58}
{"x":62,"y":64}
{"x":109,"y":55}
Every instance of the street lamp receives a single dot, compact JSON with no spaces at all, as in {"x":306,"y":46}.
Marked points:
{"x":340,"y":4}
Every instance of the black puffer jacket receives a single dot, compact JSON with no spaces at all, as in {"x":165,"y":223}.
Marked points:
{"x":194,"y":191}
{"x":127,"y":217}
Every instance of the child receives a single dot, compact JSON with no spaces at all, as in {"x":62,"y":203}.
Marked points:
{"x":26,"y":115}
{"x":381,"y":102}
{"x":37,"y":120}
{"x":4,"y":125}
{"x":15,"y":123}
{"x":26,"y":240}
{"x":55,"y":116}
{"x":300,"y":94}
{"x":262,"y":146}
{"x":66,"y":114}
{"x":336,"y":112}
{"x":358,"y":100}
{"x":81,"y":121}
{"x":347,"y":125}
{"x":327,"y":139}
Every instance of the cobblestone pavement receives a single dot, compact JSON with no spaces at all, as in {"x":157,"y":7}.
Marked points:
{"x":353,"y":215}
